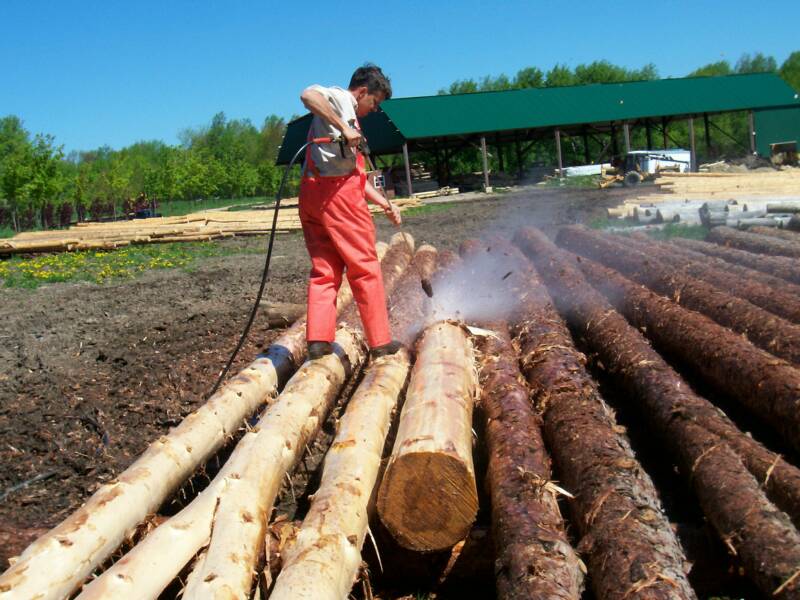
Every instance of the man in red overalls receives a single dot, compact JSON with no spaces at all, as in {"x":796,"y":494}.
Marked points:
{"x":337,"y":224}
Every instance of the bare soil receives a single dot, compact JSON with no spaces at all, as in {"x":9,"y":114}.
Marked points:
{"x":91,"y":374}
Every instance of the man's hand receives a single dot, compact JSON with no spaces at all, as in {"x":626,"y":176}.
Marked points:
{"x":393,"y":214}
{"x":351,"y":136}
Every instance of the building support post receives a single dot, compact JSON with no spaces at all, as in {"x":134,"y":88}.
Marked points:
{"x":486,"y":187}
{"x":614,"y":145}
{"x":649,"y":133}
{"x":586,"y":154}
{"x":626,"y":132}
{"x":707,"y":127}
{"x":408,"y":169}
{"x":500,"y":162}
{"x":752,"y":127}
{"x":558,"y":153}
{"x":692,"y":147}
{"x":518,"y":149}
{"x":664,"y":131}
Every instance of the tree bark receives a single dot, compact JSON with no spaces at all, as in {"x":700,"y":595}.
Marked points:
{"x":727,"y":361}
{"x":534,"y":557}
{"x":778,"y":266}
{"x":781,"y":234}
{"x":767,"y":331}
{"x":770,"y":293}
{"x":625,"y":537}
{"x":753,"y":242}
{"x":761,"y":535}
{"x":428,"y":498}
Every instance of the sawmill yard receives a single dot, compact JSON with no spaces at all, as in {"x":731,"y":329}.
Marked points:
{"x":636,"y":431}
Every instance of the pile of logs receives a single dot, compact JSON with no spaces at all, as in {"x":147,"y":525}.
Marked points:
{"x":737,"y":200}
{"x":196,"y":227}
{"x":507,"y":406}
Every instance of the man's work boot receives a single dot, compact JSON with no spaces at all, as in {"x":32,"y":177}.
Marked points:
{"x":319,"y":349}
{"x":385,"y":350}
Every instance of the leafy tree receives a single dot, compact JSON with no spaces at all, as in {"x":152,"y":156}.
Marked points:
{"x":756,"y":63}
{"x":790,"y":70}
{"x":722,"y":67}
{"x":45,"y":184}
{"x":529,"y":77}
{"x":559,"y":76}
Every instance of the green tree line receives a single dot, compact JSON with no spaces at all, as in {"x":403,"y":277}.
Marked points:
{"x":40,"y":186}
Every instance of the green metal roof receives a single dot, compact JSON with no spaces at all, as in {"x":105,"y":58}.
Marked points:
{"x":459,"y":114}
{"x":421,"y":117}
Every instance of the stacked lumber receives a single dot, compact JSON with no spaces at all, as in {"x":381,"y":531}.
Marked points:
{"x":196,"y":227}
{"x":682,"y":194}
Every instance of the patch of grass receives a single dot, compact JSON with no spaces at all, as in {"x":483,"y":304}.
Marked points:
{"x":105,"y":266}
{"x":7,"y":232}
{"x":178,"y":208}
{"x":579,"y":181}
{"x":427,"y":209}
{"x":676,"y":230}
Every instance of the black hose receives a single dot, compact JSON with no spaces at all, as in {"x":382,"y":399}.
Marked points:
{"x":264,"y":274}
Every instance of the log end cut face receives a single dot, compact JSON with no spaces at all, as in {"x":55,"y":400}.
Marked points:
{"x":428,"y":500}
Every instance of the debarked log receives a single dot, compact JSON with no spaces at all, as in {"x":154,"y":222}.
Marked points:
{"x":625,"y":536}
{"x":764,"y":329}
{"x":778,"y":266}
{"x":753,"y":242}
{"x":534,"y":557}
{"x":762,"y":536}
{"x":323,"y":562}
{"x":235,"y":542}
{"x":238,"y":501}
{"x":60,"y":561}
{"x":428,"y":497}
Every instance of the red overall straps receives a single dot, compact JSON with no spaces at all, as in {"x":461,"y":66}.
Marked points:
{"x":339,"y":234}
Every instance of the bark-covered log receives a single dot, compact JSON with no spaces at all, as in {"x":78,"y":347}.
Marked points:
{"x":762,"y":328}
{"x":325,"y":557}
{"x":762,"y":536}
{"x":260,"y":460}
{"x":781,"y":234}
{"x":781,"y":480}
{"x":729,"y":363}
{"x":770,"y":293}
{"x":779,"y":266}
{"x":753,"y":242}
{"x":428,"y":497}
{"x":625,"y":537}
{"x":534,"y":557}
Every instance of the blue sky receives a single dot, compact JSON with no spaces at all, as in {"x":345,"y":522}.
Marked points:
{"x":94,"y":73}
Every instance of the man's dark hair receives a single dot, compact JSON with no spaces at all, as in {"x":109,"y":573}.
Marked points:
{"x":371,"y":76}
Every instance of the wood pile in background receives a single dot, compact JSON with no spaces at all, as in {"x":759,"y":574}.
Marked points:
{"x":762,"y":198}
{"x":196,"y":227}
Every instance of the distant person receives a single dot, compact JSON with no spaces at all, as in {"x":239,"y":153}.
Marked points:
{"x":337,"y":224}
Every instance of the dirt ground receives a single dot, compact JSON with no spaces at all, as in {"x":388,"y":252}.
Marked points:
{"x":91,"y":374}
